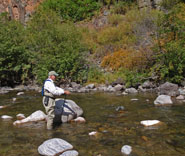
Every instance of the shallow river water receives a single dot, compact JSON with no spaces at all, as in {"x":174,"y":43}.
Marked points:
{"x":115,"y":128}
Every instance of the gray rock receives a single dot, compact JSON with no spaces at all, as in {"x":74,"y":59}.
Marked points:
{"x":182,"y":91}
{"x":69,"y":153}
{"x":54,"y":146}
{"x":169,"y":89}
{"x":180,"y":97}
{"x":120,"y":108}
{"x":118,"y":87}
{"x":90,"y":86}
{"x":75,"y":85}
{"x":126,"y":149}
{"x":110,"y":89}
{"x":148,"y":84}
{"x":162,"y":100}
{"x":70,"y":105}
{"x":131,"y":90}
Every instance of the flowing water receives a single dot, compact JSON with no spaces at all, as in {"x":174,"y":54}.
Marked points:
{"x":115,"y":128}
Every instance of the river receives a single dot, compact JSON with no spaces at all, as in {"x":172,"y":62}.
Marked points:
{"x":115,"y":128}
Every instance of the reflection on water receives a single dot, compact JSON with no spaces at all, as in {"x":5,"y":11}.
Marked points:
{"x":115,"y":128}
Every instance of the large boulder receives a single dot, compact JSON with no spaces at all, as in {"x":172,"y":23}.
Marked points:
{"x":163,"y":100}
{"x":66,"y":110}
{"x":169,"y":89}
{"x":36,"y":116}
{"x":56,"y":146}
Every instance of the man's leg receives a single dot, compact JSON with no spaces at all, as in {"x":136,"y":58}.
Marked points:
{"x":50,"y":113}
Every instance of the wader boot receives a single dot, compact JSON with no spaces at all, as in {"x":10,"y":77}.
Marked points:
{"x":49,"y":104}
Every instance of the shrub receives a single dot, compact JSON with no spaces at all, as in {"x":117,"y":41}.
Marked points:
{"x":75,"y":10}
{"x":14,"y":64}
{"x":170,"y":62}
{"x":127,"y":59}
{"x":55,"y":46}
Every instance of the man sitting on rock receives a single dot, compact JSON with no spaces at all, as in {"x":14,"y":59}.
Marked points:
{"x":49,"y":91}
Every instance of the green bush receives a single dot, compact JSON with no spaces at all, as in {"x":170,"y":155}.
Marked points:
{"x":14,"y":64}
{"x":170,"y":63}
{"x":75,"y":10}
{"x":55,"y":46}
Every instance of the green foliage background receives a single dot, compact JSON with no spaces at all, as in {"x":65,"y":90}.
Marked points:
{"x":56,"y":39}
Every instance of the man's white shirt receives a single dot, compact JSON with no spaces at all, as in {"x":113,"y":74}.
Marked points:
{"x":50,"y":86}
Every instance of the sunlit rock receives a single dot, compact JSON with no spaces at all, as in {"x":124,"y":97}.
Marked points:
{"x":169,"y":89}
{"x":69,"y":153}
{"x":110,"y":89}
{"x":54,"y":147}
{"x":20,"y":93}
{"x":36,"y":116}
{"x":20,"y":116}
{"x":134,"y":99}
{"x":131,"y":90}
{"x":180,"y":97}
{"x":150,"y":122}
{"x":14,"y":99}
{"x":124,"y":93}
{"x":163,"y":100}
{"x":90,"y":86}
{"x":182,"y":91}
{"x":118,"y":87}
{"x":126,"y":149}
{"x":66,"y":110}
{"x":6,"y":117}
{"x":120,"y":108}
{"x":79,"y":120}
{"x":2,"y":107}
{"x":93,"y":133}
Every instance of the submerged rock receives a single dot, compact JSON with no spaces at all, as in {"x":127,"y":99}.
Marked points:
{"x":163,"y":100}
{"x":54,"y":147}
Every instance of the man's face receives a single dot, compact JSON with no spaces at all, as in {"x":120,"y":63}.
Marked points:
{"x":53,"y":77}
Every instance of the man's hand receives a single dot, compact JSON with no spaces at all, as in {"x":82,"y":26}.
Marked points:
{"x":66,"y":92}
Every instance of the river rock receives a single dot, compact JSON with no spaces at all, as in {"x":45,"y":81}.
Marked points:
{"x":54,"y":147}
{"x":118,"y":87}
{"x":80,"y":120}
{"x":180,"y":97}
{"x":148,"y":85}
{"x":69,"y":107}
{"x":90,"y":86}
{"x":75,"y":85}
{"x":69,"y":153}
{"x":110,"y":89}
{"x":6,"y":117}
{"x":93,"y":133}
{"x":20,"y":116}
{"x":131,"y":90}
{"x":120,"y":108}
{"x":162,"y":100}
{"x":169,"y":89}
{"x":150,"y":122}
{"x":126,"y":149}
{"x":36,"y":116}
{"x":182,"y":91}
{"x":20,"y":93}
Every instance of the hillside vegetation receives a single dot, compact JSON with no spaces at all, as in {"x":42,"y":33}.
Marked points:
{"x":95,"y":41}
